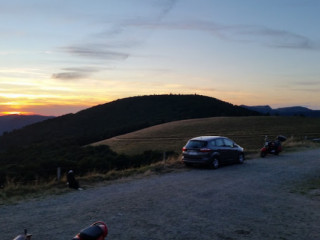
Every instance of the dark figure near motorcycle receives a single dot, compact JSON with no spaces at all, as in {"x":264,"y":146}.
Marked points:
{"x":272,"y":147}
{"x":72,"y":182}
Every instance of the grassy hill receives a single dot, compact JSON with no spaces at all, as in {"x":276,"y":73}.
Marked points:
{"x":249,"y":132}
{"x":119,"y":117}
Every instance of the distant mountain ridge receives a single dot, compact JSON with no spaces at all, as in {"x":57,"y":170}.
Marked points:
{"x":15,"y":121}
{"x":119,"y":117}
{"x":285,"y":111}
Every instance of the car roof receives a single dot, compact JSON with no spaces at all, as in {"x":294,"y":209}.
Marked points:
{"x":206,"y":138}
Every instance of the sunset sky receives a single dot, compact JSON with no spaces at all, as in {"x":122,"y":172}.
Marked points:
{"x":59,"y":57}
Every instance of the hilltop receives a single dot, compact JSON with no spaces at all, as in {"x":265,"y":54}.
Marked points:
{"x":119,"y":117}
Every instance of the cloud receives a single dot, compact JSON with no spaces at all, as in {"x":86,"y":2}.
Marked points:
{"x":307,"y":83}
{"x":113,"y":42}
{"x":165,"y":8}
{"x":95,"y":51}
{"x":302,"y":86}
{"x":269,"y":37}
{"x":242,"y":33}
{"x":307,"y":90}
{"x":69,"y":75}
{"x":74,"y":73}
{"x":122,"y":36}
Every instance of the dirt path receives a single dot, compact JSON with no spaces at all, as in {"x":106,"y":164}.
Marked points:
{"x":249,"y":201}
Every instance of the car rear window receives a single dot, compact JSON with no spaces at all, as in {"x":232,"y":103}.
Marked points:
{"x":196,"y":144}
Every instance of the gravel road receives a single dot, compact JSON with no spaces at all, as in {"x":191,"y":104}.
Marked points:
{"x":254,"y":200}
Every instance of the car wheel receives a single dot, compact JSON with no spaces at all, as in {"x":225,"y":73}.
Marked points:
{"x":241,"y":158}
{"x":215,"y":163}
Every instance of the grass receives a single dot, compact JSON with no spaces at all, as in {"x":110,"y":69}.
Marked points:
{"x":14,"y":192}
{"x":297,"y":144}
{"x":249,"y":132}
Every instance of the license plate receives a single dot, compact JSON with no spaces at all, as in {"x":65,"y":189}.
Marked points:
{"x":192,"y":153}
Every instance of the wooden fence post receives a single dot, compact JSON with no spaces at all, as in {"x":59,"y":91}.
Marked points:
{"x":164,"y":158}
{"x":58,"y":174}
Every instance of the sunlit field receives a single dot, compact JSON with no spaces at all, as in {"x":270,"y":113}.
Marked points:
{"x":249,"y":132}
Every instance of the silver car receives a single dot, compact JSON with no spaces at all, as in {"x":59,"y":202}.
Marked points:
{"x":212,"y":151}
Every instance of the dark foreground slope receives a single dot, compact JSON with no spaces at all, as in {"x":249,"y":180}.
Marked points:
{"x":119,"y":117}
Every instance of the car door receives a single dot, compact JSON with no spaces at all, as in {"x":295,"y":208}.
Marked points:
{"x":231,"y":151}
{"x":222,"y":150}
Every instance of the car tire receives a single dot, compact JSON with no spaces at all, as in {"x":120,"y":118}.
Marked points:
{"x":215,"y":163}
{"x":241,"y":158}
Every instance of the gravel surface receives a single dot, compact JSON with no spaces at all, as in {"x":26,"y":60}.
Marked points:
{"x":254,"y":200}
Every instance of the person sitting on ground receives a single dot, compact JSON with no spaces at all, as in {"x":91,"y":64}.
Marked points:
{"x":72,"y":182}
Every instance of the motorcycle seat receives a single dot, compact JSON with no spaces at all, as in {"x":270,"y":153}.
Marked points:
{"x":91,"y":233}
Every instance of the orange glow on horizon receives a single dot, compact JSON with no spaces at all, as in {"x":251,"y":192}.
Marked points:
{"x":16,"y":113}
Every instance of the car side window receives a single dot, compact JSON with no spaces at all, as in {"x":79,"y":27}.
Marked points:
{"x":228,"y":143}
{"x":219,"y":142}
{"x":213,"y":143}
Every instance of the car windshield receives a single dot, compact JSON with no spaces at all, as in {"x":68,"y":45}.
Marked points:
{"x":196,"y":144}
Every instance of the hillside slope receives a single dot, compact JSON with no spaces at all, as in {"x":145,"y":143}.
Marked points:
{"x":119,"y":117}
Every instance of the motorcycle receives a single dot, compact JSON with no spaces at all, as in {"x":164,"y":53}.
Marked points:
{"x":96,"y":231}
{"x":272,"y":147}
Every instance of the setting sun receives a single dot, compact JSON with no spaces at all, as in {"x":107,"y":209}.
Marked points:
{"x":15,"y":113}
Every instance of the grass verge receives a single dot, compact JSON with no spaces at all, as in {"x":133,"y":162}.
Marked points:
{"x":14,"y":192}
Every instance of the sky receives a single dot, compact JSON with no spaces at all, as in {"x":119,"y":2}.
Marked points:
{"x":59,"y":57}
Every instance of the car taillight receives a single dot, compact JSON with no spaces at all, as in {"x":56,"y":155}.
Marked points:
{"x":184,"y":149}
{"x":205,"y":150}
